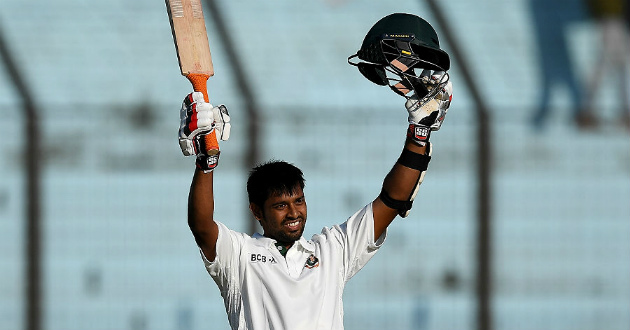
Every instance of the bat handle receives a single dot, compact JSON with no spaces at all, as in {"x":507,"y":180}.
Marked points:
{"x":199,"y":83}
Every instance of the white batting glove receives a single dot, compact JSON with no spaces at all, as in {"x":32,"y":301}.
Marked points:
{"x":199,"y":123}
{"x":427,"y":114}
{"x":198,"y":119}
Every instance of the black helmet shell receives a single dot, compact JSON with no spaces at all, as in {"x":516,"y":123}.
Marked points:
{"x":400,"y":25}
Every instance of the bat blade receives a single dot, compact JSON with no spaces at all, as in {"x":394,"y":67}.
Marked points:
{"x":191,"y":40}
{"x":193,"y":50}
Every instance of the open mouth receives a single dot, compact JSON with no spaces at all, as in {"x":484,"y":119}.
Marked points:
{"x":293,"y":225}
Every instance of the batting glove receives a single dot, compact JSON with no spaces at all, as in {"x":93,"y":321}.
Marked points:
{"x":426,"y":114}
{"x":199,"y":123}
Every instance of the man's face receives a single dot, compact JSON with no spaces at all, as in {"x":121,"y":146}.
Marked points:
{"x":283,"y":217}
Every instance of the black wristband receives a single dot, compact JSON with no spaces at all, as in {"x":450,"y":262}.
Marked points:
{"x":414,"y":160}
{"x":419,"y":134}
{"x":207,"y":163}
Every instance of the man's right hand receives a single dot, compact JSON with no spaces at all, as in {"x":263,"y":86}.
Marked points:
{"x":199,"y":120}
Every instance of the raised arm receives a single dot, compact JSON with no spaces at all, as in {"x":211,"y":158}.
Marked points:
{"x":199,"y":121}
{"x":201,"y":213}
{"x":403,"y":181}
{"x":402,"y":51}
{"x":399,"y":185}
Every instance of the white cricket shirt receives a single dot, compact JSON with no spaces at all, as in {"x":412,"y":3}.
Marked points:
{"x":262,"y":290}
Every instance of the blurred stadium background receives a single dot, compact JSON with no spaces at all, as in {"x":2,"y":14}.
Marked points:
{"x":115,"y":250}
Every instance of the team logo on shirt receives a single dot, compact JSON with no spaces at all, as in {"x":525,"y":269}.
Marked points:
{"x":257,"y":257}
{"x":312,"y":262}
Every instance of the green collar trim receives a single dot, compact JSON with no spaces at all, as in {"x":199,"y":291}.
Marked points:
{"x":282,"y":249}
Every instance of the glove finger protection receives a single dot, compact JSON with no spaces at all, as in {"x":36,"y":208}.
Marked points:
{"x":194,"y":115}
{"x":194,"y":119}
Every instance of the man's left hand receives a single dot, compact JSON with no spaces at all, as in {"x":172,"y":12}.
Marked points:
{"x":427,"y":114}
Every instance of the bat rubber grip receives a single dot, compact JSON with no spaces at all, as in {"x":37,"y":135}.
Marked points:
{"x":199,"y":83}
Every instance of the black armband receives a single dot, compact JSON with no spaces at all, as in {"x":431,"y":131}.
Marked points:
{"x":400,"y":206}
{"x":414,"y":160}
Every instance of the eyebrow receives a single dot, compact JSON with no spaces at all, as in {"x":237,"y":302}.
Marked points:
{"x":285,"y":202}
{"x":278,"y":203}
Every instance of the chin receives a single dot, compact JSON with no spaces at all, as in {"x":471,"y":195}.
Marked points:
{"x":293,"y":236}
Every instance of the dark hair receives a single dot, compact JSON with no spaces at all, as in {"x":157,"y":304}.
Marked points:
{"x":272,"y":178}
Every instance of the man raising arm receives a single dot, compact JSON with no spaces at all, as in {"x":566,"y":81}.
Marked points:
{"x":197,"y":120}
{"x":402,"y":182}
{"x":279,"y":279}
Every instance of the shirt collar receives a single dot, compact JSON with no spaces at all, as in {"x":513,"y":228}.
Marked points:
{"x":264,"y":241}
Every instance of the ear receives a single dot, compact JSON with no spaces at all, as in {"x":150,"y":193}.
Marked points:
{"x":256,"y":211}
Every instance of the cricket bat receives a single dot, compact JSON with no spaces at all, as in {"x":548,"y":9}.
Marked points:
{"x":193,"y":51}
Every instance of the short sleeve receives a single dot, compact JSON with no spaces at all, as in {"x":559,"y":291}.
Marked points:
{"x":228,"y":249}
{"x":357,"y":239}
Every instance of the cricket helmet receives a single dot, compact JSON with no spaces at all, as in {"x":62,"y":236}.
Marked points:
{"x":397,"y":49}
